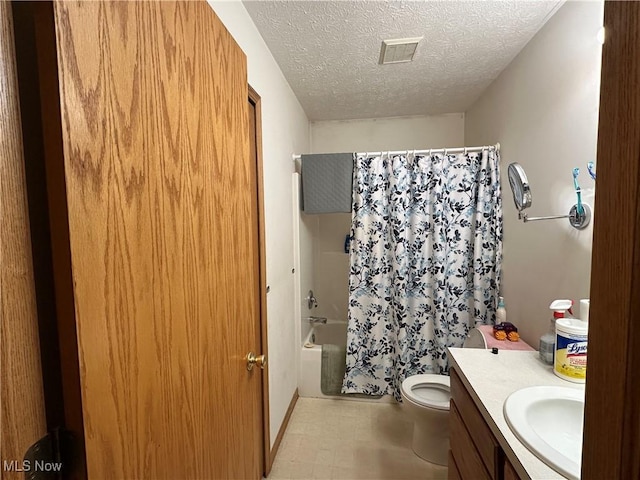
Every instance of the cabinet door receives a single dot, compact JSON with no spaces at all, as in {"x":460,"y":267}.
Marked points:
{"x":163,"y":240}
{"x":483,"y":440}
{"x":510,"y":472}
{"x":452,"y":470}
{"x":466,"y":457}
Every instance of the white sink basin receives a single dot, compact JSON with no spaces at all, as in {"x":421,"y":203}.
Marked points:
{"x":548,"y":421}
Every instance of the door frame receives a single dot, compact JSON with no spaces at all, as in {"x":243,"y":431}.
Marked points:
{"x":37,"y":75}
{"x":22,"y":393}
{"x":258,"y":183}
{"x":612,"y":417}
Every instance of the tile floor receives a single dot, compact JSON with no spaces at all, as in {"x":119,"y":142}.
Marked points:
{"x":347,"y":440}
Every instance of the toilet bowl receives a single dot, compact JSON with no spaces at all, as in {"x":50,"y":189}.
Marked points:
{"x":426,"y":399}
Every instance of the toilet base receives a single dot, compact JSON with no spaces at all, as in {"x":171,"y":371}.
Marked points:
{"x":431,"y":442}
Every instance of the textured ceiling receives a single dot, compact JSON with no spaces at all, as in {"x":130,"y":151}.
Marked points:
{"x":329,"y":51}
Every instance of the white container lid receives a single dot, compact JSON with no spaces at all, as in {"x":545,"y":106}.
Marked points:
{"x":572,"y":325}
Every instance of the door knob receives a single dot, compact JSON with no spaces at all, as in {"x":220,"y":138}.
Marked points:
{"x":261,"y":360}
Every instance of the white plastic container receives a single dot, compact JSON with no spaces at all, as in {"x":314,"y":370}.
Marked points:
{"x":571,"y":349}
{"x":584,"y":310}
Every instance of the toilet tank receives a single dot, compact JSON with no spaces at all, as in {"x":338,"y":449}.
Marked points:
{"x":475,"y":340}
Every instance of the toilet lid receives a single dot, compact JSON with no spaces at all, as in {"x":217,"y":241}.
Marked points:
{"x":428,"y":390}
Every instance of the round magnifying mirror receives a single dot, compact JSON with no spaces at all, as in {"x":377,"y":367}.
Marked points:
{"x":519,"y":186}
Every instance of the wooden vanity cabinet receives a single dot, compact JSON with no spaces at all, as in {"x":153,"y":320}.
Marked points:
{"x":510,"y":472}
{"x":475,"y":453}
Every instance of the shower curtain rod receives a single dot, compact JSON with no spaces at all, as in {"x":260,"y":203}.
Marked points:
{"x":428,"y":151}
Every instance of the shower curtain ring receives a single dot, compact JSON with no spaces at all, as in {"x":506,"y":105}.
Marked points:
{"x":465,"y":150}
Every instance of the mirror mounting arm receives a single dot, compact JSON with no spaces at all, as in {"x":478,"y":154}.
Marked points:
{"x":525,"y":218}
{"x":578,"y":220}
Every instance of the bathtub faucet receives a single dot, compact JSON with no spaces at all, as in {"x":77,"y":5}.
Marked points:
{"x":314,"y":320}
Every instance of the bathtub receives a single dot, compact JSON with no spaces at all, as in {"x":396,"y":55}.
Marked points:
{"x":334,"y":332}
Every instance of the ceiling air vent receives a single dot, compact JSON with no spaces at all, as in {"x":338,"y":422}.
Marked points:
{"x":399,"y":50}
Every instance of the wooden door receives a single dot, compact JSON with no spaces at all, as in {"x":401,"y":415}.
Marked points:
{"x":21,"y":389}
{"x":163,"y":238}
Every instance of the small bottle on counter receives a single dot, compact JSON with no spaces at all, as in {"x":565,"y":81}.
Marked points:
{"x":501,"y":312}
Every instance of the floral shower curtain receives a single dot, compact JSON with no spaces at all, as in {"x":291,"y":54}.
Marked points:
{"x":425,"y":263}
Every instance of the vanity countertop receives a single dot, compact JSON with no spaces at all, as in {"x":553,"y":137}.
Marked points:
{"x":490,"y":379}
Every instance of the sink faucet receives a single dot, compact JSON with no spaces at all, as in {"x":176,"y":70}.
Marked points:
{"x":314,"y":320}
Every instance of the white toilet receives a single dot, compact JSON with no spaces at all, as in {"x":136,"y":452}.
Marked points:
{"x":426,"y":399}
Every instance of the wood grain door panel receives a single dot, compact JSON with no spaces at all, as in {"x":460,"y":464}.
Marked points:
{"x":163,"y":238}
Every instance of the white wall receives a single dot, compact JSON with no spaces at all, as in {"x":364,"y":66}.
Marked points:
{"x":396,"y":133}
{"x":328,"y":231}
{"x":305,"y":233}
{"x":285,"y":131}
{"x":543,"y":109}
